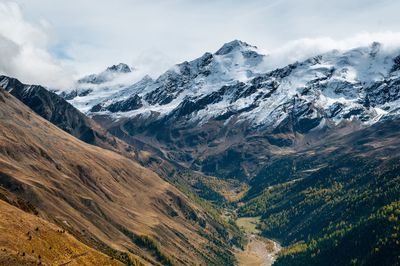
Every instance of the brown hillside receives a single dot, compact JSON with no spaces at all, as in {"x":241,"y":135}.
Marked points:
{"x":59,"y":112}
{"x":103,"y":198}
{"x":25,"y":237}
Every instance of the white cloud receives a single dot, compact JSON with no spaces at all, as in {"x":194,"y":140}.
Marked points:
{"x":23,"y":50}
{"x":305,"y":48}
{"x":87,"y":36}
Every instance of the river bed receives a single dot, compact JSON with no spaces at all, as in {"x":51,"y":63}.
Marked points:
{"x":259,"y":251}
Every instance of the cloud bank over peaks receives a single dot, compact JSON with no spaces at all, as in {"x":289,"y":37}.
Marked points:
{"x":24,"y":50}
{"x":302,"y":49}
{"x":57,"y":53}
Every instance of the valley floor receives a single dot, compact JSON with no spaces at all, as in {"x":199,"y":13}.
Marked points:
{"x":259,"y":251}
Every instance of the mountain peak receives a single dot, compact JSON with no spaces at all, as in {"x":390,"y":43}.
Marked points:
{"x":375,"y":48}
{"x":119,"y":68}
{"x":107,"y":75}
{"x":233,"y":46}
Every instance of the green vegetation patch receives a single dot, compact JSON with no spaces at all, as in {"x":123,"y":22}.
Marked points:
{"x":249,"y":224}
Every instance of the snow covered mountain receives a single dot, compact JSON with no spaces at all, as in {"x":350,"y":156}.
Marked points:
{"x":235,"y":61}
{"x":358,"y":84}
{"x":226,"y":108}
{"x":107,"y":75}
{"x":94,"y":88}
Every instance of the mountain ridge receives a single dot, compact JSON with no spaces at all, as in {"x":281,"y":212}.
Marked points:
{"x":228,"y":128}
{"x":339,"y":72}
{"x":104,"y":199}
{"x":56,"y":110}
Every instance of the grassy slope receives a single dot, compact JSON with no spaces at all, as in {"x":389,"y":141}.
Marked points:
{"x":27,"y":240}
{"x":58,"y":111}
{"x":105,"y":199}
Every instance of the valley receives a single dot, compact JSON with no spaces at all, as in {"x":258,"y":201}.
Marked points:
{"x":217,"y":161}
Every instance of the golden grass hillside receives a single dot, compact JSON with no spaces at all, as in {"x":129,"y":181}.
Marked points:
{"x":28,"y":240}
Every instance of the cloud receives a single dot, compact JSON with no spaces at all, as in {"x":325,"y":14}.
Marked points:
{"x":301,"y":49}
{"x":23,"y":50}
{"x":75,"y":38}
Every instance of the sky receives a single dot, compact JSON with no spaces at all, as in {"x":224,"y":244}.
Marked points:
{"x":53,"y":42}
